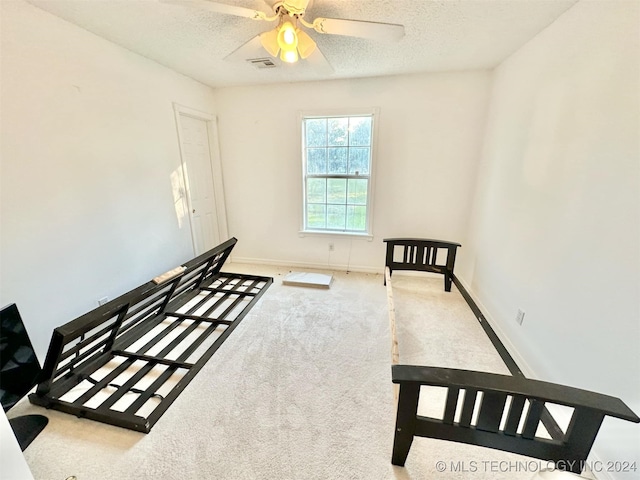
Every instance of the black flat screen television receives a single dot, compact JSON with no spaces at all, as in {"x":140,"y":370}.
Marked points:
{"x":19,"y":373}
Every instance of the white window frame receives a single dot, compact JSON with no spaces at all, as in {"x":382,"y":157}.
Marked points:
{"x":372,"y":112}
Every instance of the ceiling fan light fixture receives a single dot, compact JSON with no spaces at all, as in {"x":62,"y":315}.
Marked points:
{"x":306,"y":45}
{"x":287,"y":37}
{"x":295,"y":7}
{"x":289,"y":55}
{"x":269,"y":41}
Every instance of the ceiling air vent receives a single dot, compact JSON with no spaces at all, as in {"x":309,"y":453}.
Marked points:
{"x":262,"y":63}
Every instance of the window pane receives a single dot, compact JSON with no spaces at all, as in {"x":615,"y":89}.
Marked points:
{"x":337,"y":147}
{"x":338,"y":131}
{"x":338,"y":159}
{"x":316,"y":160}
{"x":316,"y":132}
{"x":316,"y":190}
{"x":359,"y":161}
{"x":357,"y":191}
{"x":316,"y":217}
{"x":360,"y":131}
{"x":336,"y":216}
{"x":356,"y":217}
{"x":337,"y":190}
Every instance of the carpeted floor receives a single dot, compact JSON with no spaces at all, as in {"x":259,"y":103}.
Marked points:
{"x":300,"y":390}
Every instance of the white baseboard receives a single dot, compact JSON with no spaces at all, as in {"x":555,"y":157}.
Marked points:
{"x":315,"y":266}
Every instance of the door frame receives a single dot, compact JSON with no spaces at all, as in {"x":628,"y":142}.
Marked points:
{"x":216,"y":170}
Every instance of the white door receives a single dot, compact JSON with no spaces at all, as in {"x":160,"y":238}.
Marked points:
{"x":196,"y":147}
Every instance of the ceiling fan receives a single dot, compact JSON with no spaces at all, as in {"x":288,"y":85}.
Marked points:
{"x":288,"y":39}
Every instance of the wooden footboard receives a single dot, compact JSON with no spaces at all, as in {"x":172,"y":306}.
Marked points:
{"x":421,"y":255}
{"x":509,"y":411}
{"x":125,"y":362}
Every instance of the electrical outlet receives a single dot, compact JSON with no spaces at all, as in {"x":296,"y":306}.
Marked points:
{"x":331,"y":247}
{"x":103,"y":300}
{"x":520,"y":317}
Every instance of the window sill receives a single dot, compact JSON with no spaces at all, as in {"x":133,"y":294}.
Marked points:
{"x":312,"y":233}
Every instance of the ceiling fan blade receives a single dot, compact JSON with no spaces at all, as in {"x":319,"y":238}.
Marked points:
{"x":251,"y":49}
{"x":220,"y":8}
{"x":319,"y":63}
{"x":359,"y":28}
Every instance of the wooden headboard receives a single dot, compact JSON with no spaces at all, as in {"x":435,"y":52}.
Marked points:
{"x":421,"y":254}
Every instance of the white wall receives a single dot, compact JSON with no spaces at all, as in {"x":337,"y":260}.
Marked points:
{"x":555,"y":230}
{"x":429,"y":136}
{"x":88,"y":146}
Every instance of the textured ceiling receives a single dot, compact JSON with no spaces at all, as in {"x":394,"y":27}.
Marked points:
{"x":442,"y":35}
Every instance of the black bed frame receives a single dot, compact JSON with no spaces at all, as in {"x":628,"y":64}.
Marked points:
{"x":502,"y":402}
{"x":125,"y":362}
{"x":421,"y":255}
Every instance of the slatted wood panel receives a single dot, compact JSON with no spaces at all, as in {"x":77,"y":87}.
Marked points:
{"x":508,"y":410}
{"x":125,"y":362}
{"x":422,"y":255}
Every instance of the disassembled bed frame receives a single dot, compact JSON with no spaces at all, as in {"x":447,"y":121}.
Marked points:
{"x":509,"y":408}
{"x":125,"y":362}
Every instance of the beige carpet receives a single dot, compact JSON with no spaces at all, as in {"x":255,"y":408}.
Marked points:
{"x":300,"y":390}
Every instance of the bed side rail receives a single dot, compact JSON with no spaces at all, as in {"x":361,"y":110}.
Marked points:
{"x":422,"y":255}
{"x":508,"y":414}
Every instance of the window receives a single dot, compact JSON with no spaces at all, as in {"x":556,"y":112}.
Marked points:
{"x":337,"y":165}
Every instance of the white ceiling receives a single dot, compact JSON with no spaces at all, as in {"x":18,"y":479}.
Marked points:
{"x":440,"y":35}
